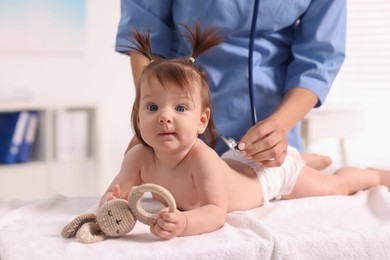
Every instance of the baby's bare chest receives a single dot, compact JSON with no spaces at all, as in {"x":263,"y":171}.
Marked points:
{"x":179,"y":182}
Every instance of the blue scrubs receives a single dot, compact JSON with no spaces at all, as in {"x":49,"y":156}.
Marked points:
{"x":298,"y":43}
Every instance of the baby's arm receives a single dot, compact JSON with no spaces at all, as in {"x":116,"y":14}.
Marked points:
{"x":204,"y":219}
{"x":210,"y":182}
{"x":128,"y":176}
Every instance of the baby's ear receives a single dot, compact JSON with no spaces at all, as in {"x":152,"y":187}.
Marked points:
{"x":71,"y":229}
{"x":204,"y":120}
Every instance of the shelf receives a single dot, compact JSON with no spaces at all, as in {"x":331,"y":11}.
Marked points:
{"x":64,"y":155}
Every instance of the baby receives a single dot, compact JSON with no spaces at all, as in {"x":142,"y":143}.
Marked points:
{"x":171,"y":110}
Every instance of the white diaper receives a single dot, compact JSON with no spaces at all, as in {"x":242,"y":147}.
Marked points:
{"x":275,"y":181}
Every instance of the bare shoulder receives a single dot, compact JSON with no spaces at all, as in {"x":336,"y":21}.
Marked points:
{"x":202,"y":151}
{"x":138,"y":154}
{"x":139,"y":149}
{"x":204,"y":157}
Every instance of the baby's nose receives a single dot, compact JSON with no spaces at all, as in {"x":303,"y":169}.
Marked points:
{"x":165,"y":116}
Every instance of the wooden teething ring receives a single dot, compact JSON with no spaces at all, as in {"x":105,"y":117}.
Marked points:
{"x":134,"y":200}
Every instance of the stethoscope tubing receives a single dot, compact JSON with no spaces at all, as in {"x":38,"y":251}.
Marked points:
{"x":250,"y":61}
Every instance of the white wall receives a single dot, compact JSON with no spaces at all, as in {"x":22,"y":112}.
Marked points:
{"x":364,"y":83}
{"x":109,"y":78}
{"x":98,"y":74}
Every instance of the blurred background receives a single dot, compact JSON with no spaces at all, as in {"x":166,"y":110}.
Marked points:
{"x":57,"y":59}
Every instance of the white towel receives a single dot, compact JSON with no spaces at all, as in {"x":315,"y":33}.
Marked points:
{"x":332,"y":227}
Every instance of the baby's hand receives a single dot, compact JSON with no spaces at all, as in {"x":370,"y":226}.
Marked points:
{"x":169,"y":225}
{"x":111,"y":195}
{"x":115,"y":194}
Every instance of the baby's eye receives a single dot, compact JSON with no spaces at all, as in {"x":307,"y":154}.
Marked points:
{"x":181,"y":108}
{"x":152,"y":107}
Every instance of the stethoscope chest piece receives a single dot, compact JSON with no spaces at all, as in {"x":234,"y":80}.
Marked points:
{"x":232,"y":144}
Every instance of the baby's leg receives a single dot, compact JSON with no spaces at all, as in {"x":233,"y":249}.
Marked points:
{"x":384,"y":176}
{"x":316,"y":161}
{"x":344,"y":181}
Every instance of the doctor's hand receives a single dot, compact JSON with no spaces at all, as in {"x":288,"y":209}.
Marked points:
{"x":266,"y":142}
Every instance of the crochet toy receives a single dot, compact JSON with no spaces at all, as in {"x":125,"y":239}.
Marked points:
{"x":116,"y":217}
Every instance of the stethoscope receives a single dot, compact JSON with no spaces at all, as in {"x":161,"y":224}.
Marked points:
{"x":230,"y":142}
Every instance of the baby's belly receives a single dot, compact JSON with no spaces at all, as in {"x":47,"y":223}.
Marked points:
{"x":244,"y":187}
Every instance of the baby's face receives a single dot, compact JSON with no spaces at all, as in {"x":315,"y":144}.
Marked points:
{"x":169,"y":118}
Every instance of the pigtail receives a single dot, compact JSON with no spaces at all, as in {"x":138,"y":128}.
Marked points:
{"x":201,"y":41}
{"x":141,"y":42}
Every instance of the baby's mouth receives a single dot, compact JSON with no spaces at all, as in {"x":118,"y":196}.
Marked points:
{"x":166,"y":133}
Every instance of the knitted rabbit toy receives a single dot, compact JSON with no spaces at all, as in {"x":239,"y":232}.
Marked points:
{"x":116,"y":217}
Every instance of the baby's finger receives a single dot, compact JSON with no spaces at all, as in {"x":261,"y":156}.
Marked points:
{"x":159,"y":232}
{"x":169,"y":217}
{"x":117,"y":191}
{"x":166,"y":225}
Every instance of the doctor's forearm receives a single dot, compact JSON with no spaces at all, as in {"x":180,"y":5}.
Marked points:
{"x":138,"y":63}
{"x":295,"y":105}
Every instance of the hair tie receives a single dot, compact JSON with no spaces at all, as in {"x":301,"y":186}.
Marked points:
{"x":191,"y":59}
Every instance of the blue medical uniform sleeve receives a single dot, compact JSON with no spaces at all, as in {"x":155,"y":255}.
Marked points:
{"x":154,"y":16}
{"x":318,"y":48}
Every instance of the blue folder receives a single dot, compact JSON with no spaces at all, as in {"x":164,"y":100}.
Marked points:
{"x":17,"y":135}
{"x":29,"y":136}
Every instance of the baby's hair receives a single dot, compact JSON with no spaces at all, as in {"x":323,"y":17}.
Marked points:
{"x":201,"y":41}
{"x":179,"y":72}
{"x":141,"y":42}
